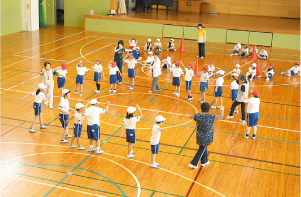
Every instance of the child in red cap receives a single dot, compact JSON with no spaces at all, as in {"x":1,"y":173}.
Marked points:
{"x":177,"y":72}
{"x":81,"y":70}
{"x":204,"y":82}
{"x":263,"y":55}
{"x":269,"y":72}
{"x":293,"y":70}
{"x":61,"y":80}
{"x":252,"y":113}
{"x":131,"y":61}
{"x":97,"y":68}
{"x":114,"y":70}
{"x":188,"y":79}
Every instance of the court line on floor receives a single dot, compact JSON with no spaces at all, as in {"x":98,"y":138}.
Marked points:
{"x":12,"y":129}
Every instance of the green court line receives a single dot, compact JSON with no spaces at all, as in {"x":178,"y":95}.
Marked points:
{"x":187,"y":141}
{"x":159,"y":92}
{"x":153,"y":194}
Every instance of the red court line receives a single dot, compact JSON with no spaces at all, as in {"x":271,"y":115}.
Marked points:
{"x":13,"y":128}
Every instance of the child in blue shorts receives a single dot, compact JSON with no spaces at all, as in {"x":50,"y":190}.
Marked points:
{"x":113,"y":71}
{"x":131,"y":61}
{"x":130,"y":124}
{"x":155,"y":139}
{"x":80,"y":76}
{"x":296,"y":70}
{"x":252,"y":113}
{"x":97,"y":68}
{"x":236,"y":49}
{"x":204,"y":83}
{"x":177,"y":72}
{"x":64,"y":114}
{"x":188,"y":79}
{"x":61,"y":79}
{"x":39,"y":97}
{"x":234,"y":89}
{"x":269,"y":72}
{"x":251,"y":74}
{"x":77,"y":127}
{"x":218,"y":90}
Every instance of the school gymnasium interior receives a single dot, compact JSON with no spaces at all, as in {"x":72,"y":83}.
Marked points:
{"x":67,"y":31}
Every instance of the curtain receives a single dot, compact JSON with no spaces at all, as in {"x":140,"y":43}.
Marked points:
{"x":41,"y":15}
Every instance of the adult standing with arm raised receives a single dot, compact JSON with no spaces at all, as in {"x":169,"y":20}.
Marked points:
{"x":204,"y":133}
{"x":156,"y":72}
{"x":118,"y":59}
{"x":242,"y":95}
{"x":201,"y":38}
{"x":47,"y":80}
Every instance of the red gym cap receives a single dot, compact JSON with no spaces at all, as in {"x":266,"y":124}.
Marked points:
{"x":80,"y":61}
{"x":255,"y":93}
{"x":245,"y":45}
{"x":175,"y":60}
{"x":297,"y":63}
{"x":271,"y":65}
{"x":211,"y":62}
{"x":178,"y":63}
{"x":263,"y":47}
{"x":190,"y":65}
{"x":205,"y":68}
{"x":113,"y":64}
{"x":64,"y":66}
{"x":131,"y":55}
{"x":98,"y":59}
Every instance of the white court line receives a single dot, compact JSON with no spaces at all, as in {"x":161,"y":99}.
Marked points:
{"x":49,"y":43}
{"x":40,"y":183}
{"x":42,"y":58}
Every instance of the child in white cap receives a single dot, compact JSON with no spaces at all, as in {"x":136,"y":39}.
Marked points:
{"x":251,"y":74}
{"x":64,"y":114}
{"x":155,"y":139}
{"x":39,"y":96}
{"x":130,"y":124}
{"x":236,"y":70}
{"x":97,"y":68}
{"x":296,"y":70}
{"x":236,"y":49}
{"x":252,"y":113}
{"x":171,"y":45}
{"x":150,"y":58}
{"x":81,"y":70}
{"x":188,"y":80}
{"x":218,"y":90}
{"x":148,"y":45}
{"x":77,"y":127}
{"x":166,"y":63}
{"x":158,"y":45}
{"x":131,"y":62}
{"x":234,"y":89}
{"x":177,"y":72}
{"x":113,"y":71}
{"x":136,"y":53}
{"x":211,"y":69}
{"x":93,"y":130}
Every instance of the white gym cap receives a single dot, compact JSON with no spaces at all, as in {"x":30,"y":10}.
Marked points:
{"x":172,"y":40}
{"x":254,"y":64}
{"x":138,"y":48}
{"x":221,"y":72}
{"x":158,"y":39}
{"x":168,"y":58}
{"x":160,"y":118}
{"x":237,"y":65}
{"x":41,"y":86}
{"x":150,"y":52}
{"x":131,"y":110}
{"x":149,"y":40}
{"x":79,"y":105}
{"x":93,"y":102}
{"x":65,"y":91}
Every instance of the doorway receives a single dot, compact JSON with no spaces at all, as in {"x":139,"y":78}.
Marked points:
{"x":60,"y":12}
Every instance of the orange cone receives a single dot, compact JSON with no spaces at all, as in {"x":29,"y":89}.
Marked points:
{"x":257,"y":67}
{"x":182,"y":45}
{"x":253,"y":56}
{"x":196,"y":68}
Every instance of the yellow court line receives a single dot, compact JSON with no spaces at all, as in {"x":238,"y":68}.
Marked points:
{"x":285,"y":146}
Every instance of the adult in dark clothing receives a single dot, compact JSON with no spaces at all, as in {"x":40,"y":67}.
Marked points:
{"x":204,"y":133}
{"x":118,"y":59}
{"x":242,"y":95}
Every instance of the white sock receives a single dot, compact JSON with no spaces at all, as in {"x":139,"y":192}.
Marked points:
{"x":91,"y":146}
{"x":98,"y":148}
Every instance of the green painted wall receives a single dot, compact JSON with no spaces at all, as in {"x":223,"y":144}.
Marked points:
{"x":173,"y":31}
{"x":190,"y":32}
{"x":76,"y":9}
{"x":288,"y":41}
{"x":11,"y":16}
{"x":259,"y":38}
{"x":237,"y":36}
{"x":216,"y":35}
{"x":50,"y":12}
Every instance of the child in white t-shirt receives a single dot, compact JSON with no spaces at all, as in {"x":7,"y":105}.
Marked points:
{"x":236,"y":49}
{"x":188,"y":79}
{"x":177,"y":72}
{"x":211,"y":69}
{"x":251,"y":74}
{"x":204,"y":83}
{"x":296,"y":70}
{"x":166,"y":63}
{"x":113,"y":71}
{"x":61,"y":79}
{"x":244,"y":51}
{"x":130,"y":124}
{"x":80,"y":76}
{"x":252,"y":113}
{"x":236,"y":70}
{"x":234,"y":89}
{"x":171,"y":45}
{"x":155,"y":139}
{"x":39,"y":97}
{"x":148,"y":45}
{"x":218,"y":90}
{"x":77,"y":127}
{"x":251,"y":51}
{"x":263,"y":54}
{"x":133,"y":43}
{"x":158,"y":45}
{"x":269,"y":72}
{"x":131,"y":61}
{"x":97,"y":68}
{"x":150,"y":59}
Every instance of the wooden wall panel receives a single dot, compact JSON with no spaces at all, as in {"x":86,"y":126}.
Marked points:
{"x":243,"y":3}
{"x":294,"y":12}
{"x":244,"y":9}
{"x":283,"y":3}
{"x":294,"y":3}
{"x":273,"y":11}
{"x":221,"y":7}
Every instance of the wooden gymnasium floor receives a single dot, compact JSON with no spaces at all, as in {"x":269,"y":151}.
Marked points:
{"x":36,"y":164}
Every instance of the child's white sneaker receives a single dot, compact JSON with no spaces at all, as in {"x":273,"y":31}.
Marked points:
{"x":259,"y":76}
{"x":46,"y":102}
{"x":114,"y":91}
{"x":193,"y":166}
{"x":253,"y":137}
{"x":82,"y":148}
{"x":50,"y":106}
{"x":229,"y":117}
{"x":174,"y":93}
{"x":68,"y":136}
{"x":64,"y":141}
{"x":150,"y":91}
{"x":75,"y":92}
{"x":190,"y":99}
{"x":267,"y":79}
{"x":218,"y":107}
{"x":236,"y":112}
{"x":32,"y":130}
{"x":242,"y":121}
{"x":43,"y":127}
{"x":201,"y":101}
{"x":213,"y":107}
{"x":207,"y":163}
{"x":130,"y":156}
{"x":100,"y":151}
{"x":80,"y":94}
{"x":72,"y":146}
{"x":178,"y":94}
{"x":92,"y":149}
{"x":111,"y":90}
{"x":154,"y":165}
